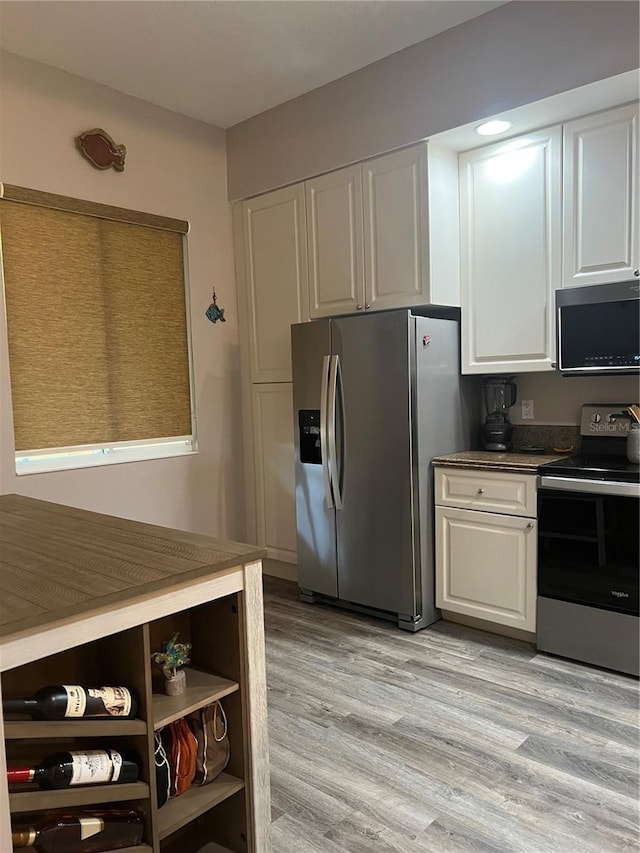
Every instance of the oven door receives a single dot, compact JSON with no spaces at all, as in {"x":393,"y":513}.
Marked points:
{"x":588,"y":542}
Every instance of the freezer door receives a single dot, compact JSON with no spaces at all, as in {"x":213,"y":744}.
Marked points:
{"x":315,"y":516}
{"x":375,"y":526}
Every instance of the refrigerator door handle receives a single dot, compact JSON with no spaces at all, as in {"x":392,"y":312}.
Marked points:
{"x":332,"y":415}
{"x":324,"y":438}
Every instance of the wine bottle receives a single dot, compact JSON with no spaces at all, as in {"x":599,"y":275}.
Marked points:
{"x":81,"y":831}
{"x":60,"y":701}
{"x":91,"y":767}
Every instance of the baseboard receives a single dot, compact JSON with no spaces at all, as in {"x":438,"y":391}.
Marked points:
{"x":279,"y":569}
{"x":491,"y":627}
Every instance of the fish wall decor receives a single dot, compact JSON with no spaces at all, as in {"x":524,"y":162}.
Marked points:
{"x":214,"y":313}
{"x":100,"y":149}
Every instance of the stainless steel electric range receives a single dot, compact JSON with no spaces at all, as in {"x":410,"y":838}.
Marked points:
{"x":588,"y":552}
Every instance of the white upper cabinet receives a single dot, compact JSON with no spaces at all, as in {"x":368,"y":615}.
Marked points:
{"x":271,"y":254}
{"x":385,"y":233}
{"x":601,"y":198}
{"x":396,"y":243}
{"x":334,"y":228}
{"x":510,"y":238}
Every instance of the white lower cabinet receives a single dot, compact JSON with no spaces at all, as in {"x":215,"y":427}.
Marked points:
{"x":485,"y":561}
{"x":274,"y":469}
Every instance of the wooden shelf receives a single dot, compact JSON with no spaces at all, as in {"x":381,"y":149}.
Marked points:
{"x":139,"y":848}
{"x":33,"y":801}
{"x":202,"y":689}
{"x":194,"y":802}
{"x":51,"y":729}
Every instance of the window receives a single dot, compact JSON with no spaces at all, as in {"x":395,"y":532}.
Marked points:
{"x":97,"y":331}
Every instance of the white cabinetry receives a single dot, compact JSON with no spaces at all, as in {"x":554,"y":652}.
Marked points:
{"x":271,"y":260}
{"x":334,"y":222}
{"x":384,"y":233}
{"x":510,"y":253}
{"x":274,"y":468}
{"x":271,"y":270}
{"x":600,"y":218}
{"x":486,"y":559}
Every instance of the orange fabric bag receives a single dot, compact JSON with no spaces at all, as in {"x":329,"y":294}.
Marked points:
{"x":182,"y":759}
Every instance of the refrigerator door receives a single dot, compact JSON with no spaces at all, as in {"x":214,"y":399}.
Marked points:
{"x":315,"y":515}
{"x":375,"y":526}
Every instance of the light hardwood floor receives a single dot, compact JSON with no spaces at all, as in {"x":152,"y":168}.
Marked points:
{"x":444,"y":741}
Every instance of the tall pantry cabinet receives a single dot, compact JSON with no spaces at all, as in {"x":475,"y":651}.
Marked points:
{"x":271,"y":268}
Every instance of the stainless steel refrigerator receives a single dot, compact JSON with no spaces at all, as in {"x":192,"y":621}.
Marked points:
{"x":375,"y":398}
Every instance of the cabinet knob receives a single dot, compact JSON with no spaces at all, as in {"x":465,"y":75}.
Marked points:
{"x":481,"y":491}
{"x":358,"y":307}
{"x":529,"y":525}
{"x":636,"y":272}
{"x":367,"y":306}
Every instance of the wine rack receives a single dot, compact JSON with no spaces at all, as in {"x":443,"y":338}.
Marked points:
{"x":219,"y":612}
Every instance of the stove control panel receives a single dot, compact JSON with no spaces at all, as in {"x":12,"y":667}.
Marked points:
{"x":610,"y":420}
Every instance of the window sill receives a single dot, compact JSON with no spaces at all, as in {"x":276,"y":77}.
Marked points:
{"x":41,"y":463}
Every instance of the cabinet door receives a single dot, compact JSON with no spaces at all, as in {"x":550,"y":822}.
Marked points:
{"x":334,"y":231}
{"x":274,"y":251}
{"x":510,"y":252}
{"x":486,"y":566}
{"x":274,"y":469}
{"x":396,"y":229}
{"x":601,"y":197}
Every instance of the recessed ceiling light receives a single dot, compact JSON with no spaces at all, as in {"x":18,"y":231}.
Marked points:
{"x":490,"y":128}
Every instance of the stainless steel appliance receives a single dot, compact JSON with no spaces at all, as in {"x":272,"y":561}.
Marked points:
{"x":588,"y":547}
{"x":375,"y":398}
{"x":500,"y":393}
{"x":598,"y":329}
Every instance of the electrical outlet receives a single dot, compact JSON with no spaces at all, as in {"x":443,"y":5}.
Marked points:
{"x":527,"y":410}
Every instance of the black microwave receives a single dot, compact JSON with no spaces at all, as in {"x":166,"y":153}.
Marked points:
{"x":598,"y":329}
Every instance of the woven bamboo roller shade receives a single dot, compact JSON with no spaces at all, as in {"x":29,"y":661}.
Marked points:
{"x":97,"y":329}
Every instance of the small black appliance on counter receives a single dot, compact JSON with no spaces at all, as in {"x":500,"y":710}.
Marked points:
{"x":500,"y":393}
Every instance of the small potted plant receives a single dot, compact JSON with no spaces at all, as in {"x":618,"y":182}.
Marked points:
{"x":172,"y":656}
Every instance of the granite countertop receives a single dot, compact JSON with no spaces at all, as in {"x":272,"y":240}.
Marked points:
{"x":492,"y":461}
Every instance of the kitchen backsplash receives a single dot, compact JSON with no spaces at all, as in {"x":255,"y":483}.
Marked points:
{"x":546,"y":437}
{"x":558,"y":399}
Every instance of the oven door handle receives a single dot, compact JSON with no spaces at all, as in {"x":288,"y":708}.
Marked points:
{"x":598,"y":487}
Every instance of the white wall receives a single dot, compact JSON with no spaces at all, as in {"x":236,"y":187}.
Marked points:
{"x":175,"y":167}
{"x":516,"y":54}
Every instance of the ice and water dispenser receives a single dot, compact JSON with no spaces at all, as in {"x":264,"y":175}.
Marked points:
{"x":309,"y":425}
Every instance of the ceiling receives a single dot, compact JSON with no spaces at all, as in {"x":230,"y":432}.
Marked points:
{"x":221,"y":61}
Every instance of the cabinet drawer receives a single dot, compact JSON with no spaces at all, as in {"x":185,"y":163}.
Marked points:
{"x":490,"y":491}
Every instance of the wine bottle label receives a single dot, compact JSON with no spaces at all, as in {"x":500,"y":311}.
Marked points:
{"x":95,"y":766}
{"x":76,"y":700}
{"x":97,"y":701}
{"x":90,"y":826}
{"x":114,"y":701}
